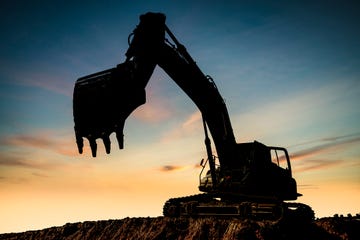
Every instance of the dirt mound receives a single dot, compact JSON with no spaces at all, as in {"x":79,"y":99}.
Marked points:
{"x":198,"y":228}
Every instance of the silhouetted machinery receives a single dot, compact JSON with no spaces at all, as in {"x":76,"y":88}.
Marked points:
{"x":245,"y":179}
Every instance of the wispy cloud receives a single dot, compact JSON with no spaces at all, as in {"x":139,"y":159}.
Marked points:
{"x":318,"y":165}
{"x":43,"y":79}
{"x":316,"y":157}
{"x":307,"y":186}
{"x":14,"y":160}
{"x":328,"y":139}
{"x":155,"y":112}
{"x":170,"y":168}
{"x":333,"y":143}
{"x":309,"y":159}
{"x":40,"y":141}
{"x":190,"y":125}
{"x":173,"y":168}
{"x":51,"y":83}
{"x":38,"y":155}
{"x":13,"y":180}
{"x":299,"y":111}
{"x":41,"y":175}
{"x":45,"y":140}
{"x":192,"y":121}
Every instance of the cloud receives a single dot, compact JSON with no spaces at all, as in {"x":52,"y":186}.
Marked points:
{"x":333,"y":144}
{"x":340,"y":137}
{"x":310,"y":159}
{"x":307,"y":186}
{"x":41,"y":153}
{"x":156,"y":112}
{"x":294,"y":114}
{"x":173,"y":168}
{"x":318,"y":165}
{"x":327,"y":139}
{"x":10,"y":160}
{"x":45,"y":140}
{"x":53,"y":82}
{"x":40,"y":175}
{"x":169,"y":168}
{"x":14,"y":180}
{"x":192,"y":121}
{"x":313,"y":158}
{"x":191,"y":124}
{"x":158,"y":106}
{"x":28,"y":141}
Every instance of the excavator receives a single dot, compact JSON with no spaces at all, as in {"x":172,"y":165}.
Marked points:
{"x":245,"y":180}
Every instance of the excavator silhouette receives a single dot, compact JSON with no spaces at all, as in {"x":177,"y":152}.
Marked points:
{"x":249,"y":180}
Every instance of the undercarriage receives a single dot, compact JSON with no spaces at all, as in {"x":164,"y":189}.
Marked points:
{"x":207,"y":205}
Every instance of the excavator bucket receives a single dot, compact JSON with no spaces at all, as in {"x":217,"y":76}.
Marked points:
{"x":101,"y":103}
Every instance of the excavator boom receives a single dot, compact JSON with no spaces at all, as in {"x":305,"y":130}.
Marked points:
{"x":147,"y":49}
{"x":95,"y":95}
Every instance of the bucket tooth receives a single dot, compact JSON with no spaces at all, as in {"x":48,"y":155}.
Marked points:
{"x":107,"y":143}
{"x":93,"y":146}
{"x":79,"y":143}
{"x":120,"y":139}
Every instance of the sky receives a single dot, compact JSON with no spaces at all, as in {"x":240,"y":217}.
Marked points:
{"x":289,"y":72}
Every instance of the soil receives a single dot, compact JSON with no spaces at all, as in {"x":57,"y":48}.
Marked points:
{"x":334,"y":228}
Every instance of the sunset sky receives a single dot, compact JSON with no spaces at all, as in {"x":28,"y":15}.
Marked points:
{"x":289,"y":73}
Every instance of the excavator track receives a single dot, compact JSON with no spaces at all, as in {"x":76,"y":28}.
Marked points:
{"x":299,"y":212}
{"x":175,"y":207}
{"x":205,"y":205}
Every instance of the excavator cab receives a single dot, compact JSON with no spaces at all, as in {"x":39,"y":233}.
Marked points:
{"x":261,"y":171}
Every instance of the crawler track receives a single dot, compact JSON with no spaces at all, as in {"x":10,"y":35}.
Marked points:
{"x":203,"y":205}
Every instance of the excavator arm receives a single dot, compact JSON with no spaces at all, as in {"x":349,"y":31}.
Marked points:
{"x":104,"y":100}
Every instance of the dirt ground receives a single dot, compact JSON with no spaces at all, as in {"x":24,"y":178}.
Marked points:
{"x":199,"y":228}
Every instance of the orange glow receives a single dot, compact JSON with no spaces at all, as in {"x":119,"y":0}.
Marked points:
{"x":331,"y":198}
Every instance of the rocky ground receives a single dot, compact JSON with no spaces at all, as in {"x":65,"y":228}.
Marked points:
{"x":198,"y":228}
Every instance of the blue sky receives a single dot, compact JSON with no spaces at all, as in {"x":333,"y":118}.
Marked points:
{"x":289,"y":72}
